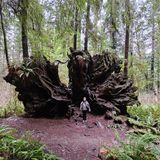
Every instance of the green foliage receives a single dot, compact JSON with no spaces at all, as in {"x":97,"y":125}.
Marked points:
{"x":137,"y":147}
{"x":144,"y":146}
{"x":13,"y":107}
{"x":26,"y":70}
{"x":146,"y":115}
{"x":63,"y":74}
{"x":35,"y":16}
{"x":139,"y":72}
{"x":24,"y":148}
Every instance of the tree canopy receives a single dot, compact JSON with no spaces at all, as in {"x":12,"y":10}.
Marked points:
{"x":50,"y":27}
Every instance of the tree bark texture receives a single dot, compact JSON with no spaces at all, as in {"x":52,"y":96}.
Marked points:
{"x":75,"y":28}
{"x":87,"y":26}
{"x":98,"y":78}
{"x":4,"y":37}
{"x":24,"y":16}
{"x":127,"y":3}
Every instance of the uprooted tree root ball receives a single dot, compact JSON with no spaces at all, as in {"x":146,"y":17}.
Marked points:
{"x":98,"y":77}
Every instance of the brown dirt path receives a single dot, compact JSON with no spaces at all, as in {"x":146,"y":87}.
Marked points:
{"x":69,"y":139}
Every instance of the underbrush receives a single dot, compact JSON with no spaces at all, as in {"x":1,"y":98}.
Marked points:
{"x":145,"y":117}
{"x":24,"y":148}
{"x":13,"y":107}
{"x":143,"y":112}
{"x":137,"y":147}
{"x":142,"y":141}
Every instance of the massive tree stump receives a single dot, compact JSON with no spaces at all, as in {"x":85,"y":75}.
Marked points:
{"x":97,"y":77}
{"x":39,"y":87}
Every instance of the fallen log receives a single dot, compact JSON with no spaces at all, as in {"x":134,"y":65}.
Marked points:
{"x":97,"y":77}
{"x":39,"y":87}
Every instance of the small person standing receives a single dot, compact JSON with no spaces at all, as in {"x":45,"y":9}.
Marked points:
{"x":84,"y":107}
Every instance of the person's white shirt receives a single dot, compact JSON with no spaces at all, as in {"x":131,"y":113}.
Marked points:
{"x":84,"y":106}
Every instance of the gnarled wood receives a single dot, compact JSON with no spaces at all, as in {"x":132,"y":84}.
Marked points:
{"x":39,"y":87}
{"x":96,"y":77}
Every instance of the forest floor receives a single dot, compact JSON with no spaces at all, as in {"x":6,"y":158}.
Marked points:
{"x":69,"y":139}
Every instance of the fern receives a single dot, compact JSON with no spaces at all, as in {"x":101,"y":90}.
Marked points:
{"x":136,"y":147}
{"x":24,"y":148}
{"x":145,"y":115}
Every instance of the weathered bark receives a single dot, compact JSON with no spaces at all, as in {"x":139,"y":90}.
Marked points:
{"x":158,"y":75}
{"x":23,"y":19}
{"x":79,"y":31}
{"x":113,"y":24}
{"x":4,"y":36}
{"x":87,"y":26}
{"x":127,"y":3}
{"x":131,"y":52}
{"x":98,"y":78}
{"x":75,"y":28}
{"x":39,"y":87}
{"x":113,"y":36}
{"x":153,"y":52}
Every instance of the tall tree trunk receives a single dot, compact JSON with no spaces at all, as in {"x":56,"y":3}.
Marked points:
{"x":127,"y":7}
{"x":158,"y":75}
{"x":75,"y":28}
{"x":4,"y":36}
{"x":153,"y":52}
{"x":113,"y":35}
{"x":79,"y":31}
{"x":131,"y":51}
{"x":24,"y":7}
{"x":113,"y":24}
{"x":87,"y":26}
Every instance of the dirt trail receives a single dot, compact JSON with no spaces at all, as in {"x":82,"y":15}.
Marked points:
{"x":69,"y":139}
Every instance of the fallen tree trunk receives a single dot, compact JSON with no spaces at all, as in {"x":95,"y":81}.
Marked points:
{"x":99,"y":79}
{"x":96,"y":77}
{"x":39,"y":87}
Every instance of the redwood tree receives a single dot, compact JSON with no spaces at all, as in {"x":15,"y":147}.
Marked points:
{"x":113,"y":23}
{"x":4,"y":35}
{"x":20,"y":9}
{"x":87,"y":26}
{"x":23,"y":19}
{"x":153,"y":51}
{"x":75,"y":28}
{"x":127,"y":10}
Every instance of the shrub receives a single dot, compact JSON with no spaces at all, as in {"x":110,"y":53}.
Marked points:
{"x":145,"y":115}
{"x":137,"y":147}
{"x":142,"y":111}
{"x":23,"y":148}
{"x":13,"y":107}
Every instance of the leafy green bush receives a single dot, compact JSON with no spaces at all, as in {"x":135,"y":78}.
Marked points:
{"x":13,"y":107}
{"x":137,"y":147}
{"x":146,"y":115}
{"x":24,"y":148}
{"x":140,"y":112}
